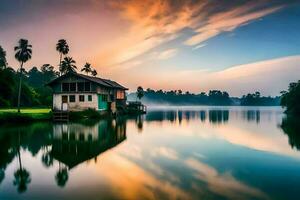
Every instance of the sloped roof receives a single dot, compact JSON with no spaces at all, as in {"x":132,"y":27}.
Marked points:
{"x":104,"y":82}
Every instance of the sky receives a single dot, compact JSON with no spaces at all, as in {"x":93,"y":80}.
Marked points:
{"x":240,"y":46}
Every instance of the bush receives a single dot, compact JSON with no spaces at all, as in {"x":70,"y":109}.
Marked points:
{"x":291,"y":99}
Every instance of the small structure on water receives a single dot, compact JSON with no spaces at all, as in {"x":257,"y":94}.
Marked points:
{"x":136,"y":107}
{"x":77,"y":92}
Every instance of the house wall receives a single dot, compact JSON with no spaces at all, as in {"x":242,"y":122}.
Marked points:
{"x":77,"y":105}
{"x":115,"y":96}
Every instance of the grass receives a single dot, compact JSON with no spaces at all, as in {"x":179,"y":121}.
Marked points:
{"x":26,"y":115}
{"x":27,"y":110}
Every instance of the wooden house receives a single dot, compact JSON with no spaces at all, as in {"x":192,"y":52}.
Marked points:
{"x":76,"y":92}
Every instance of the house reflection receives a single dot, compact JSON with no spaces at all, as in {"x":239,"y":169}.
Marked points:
{"x":73,"y":144}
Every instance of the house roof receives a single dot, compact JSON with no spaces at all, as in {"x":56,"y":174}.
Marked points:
{"x":104,"y":82}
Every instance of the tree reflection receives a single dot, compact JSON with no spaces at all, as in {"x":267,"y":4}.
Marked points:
{"x":2,"y":175}
{"x":218,"y":116}
{"x":139,"y":123}
{"x":47,"y":159}
{"x":291,"y":126}
{"x":61,"y":176}
{"x":22,"y":176}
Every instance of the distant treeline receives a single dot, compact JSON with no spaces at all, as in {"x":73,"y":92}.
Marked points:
{"x":213,"y":97}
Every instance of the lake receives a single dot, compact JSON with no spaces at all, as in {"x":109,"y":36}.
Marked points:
{"x":169,"y":153}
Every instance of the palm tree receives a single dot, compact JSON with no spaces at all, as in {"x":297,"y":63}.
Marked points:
{"x":68,"y":65}
{"x":61,"y":176}
{"x":22,"y":176}
{"x":3,"y":62}
{"x":23,"y":54}
{"x":87,"y":68}
{"x":94,"y":73}
{"x":63,"y":48}
{"x":139,"y":92}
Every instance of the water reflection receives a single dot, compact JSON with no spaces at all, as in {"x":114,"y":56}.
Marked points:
{"x":209,"y":153}
{"x":252,"y":115}
{"x":67,"y":144}
{"x":291,"y":126}
{"x":214,"y":116}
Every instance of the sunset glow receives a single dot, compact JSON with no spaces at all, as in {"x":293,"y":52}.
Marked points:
{"x":165,"y":44}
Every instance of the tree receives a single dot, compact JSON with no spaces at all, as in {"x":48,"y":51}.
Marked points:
{"x":140,"y":92}
{"x":68,"y":65}
{"x":291,"y":99}
{"x":23,"y":54}
{"x":3,"y":62}
{"x":87,"y":68}
{"x":63,"y":48}
{"x":94,"y":73}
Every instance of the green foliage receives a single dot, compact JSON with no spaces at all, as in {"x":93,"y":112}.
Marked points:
{"x":34,"y":90}
{"x":23,"y":51}
{"x":140,"y":92}
{"x":256,"y":99}
{"x":3,"y":62}
{"x":291,"y":99}
{"x":12,"y":117}
{"x":68,"y":65}
{"x":87,"y":68}
{"x":62,"y":47}
{"x":8,"y":87}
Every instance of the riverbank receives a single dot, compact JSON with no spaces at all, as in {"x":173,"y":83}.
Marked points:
{"x":44,"y":114}
{"x":26,"y":115}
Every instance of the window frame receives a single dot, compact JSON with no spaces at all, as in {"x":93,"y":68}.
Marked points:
{"x":71,"y":100}
{"x":81,"y":100}
{"x":65,"y":84}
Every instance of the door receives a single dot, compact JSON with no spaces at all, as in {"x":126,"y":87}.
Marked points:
{"x":102,"y":102}
{"x":64,"y":102}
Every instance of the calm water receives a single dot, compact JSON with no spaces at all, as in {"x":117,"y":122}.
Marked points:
{"x":170,"y":153}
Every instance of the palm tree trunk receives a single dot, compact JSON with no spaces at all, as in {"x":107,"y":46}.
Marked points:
{"x":20,"y":87}
{"x":18,"y":150}
{"x":60,"y":63}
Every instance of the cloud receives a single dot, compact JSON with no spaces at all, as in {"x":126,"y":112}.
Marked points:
{"x":165,"y":152}
{"x":154,"y":23}
{"x":223,"y":184}
{"x":199,"y":46}
{"x":228,"y":21}
{"x":267,"y":76}
{"x":166,"y":54}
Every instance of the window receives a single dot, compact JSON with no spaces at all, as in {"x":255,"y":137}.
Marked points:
{"x":87,"y":86}
{"x":90,"y":98}
{"x":73,"y":87}
{"x":64,"y":99}
{"x":120,"y":94}
{"x":80,"y":86}
{"x":65,"y":87}
{"x":81,"y":98}
{"x":72,"y":98}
